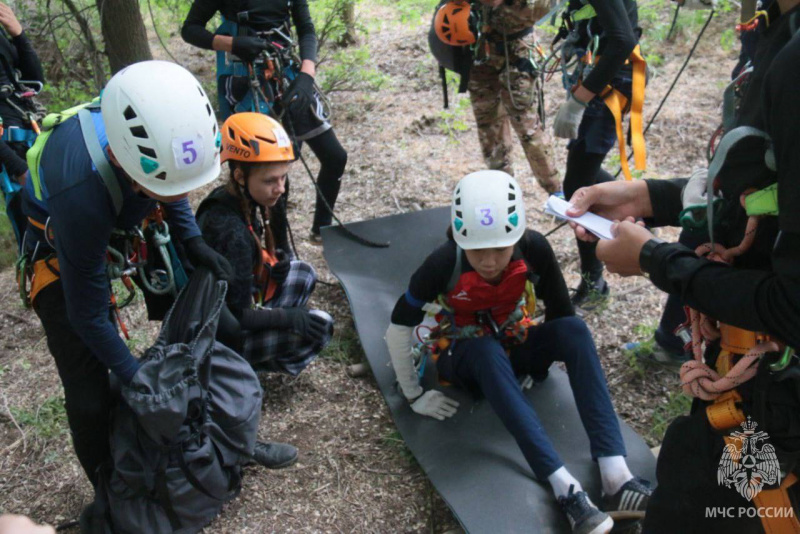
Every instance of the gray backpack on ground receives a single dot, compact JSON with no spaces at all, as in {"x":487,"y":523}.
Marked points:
{"x":182,"y":428}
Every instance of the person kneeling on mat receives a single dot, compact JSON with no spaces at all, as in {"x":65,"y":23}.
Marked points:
{"x":280,"y":333}
{"x":486,"y":278}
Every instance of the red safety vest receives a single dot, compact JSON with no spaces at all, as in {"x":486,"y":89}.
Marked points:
{"x":473,"y":294}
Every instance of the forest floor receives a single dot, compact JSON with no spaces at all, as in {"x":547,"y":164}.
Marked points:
{"x":354,"y":473}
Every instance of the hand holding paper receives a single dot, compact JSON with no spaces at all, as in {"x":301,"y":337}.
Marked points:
{"x":597,"y":225}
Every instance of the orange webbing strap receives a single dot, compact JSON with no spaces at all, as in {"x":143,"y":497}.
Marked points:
{"x":45,"y":272}
{"x":724,"y":414}
{"x":637,"y":106}
{"x":778,"y":501}
{"x":738,"y":340}
{"x":616,"y":103}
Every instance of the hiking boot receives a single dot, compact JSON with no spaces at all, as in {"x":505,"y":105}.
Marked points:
{"x":274,"y":455}
{"x":630,"y":502}
{"x":583,"y":515}
{"x":653,"y":352}
{"x":591,"y":295}
{"x":315,"y":238}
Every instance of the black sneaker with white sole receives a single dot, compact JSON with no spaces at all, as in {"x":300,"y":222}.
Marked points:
{"x":630,"y":502}
{"x":583,"y":515}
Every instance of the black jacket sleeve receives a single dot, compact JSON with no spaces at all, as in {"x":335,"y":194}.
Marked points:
{"x":29,"y":65}
{"x":550,"y":285}
{"x":225,"y":232}
{"x":620,"y":42}
{"x":306,"y":34}
{"x":665,"y":196}
{"x":194,"y":29}
{"x":426,"y":284}
{"x":767,"y":301}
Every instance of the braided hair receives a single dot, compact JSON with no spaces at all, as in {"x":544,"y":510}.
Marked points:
{"x":249,"y":207}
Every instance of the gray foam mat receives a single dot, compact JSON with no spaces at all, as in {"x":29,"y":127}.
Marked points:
{"x":472,"y":461}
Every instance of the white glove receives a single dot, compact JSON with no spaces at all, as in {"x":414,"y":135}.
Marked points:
{"x":697,"y":4}
{"x":569,"y":118}
{"x":435,"y":404}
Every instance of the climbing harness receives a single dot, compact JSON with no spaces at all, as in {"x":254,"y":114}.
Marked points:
{"x":130,"y":253}
{"x":506,"y":322}
{"x":18,"y":95}
{"x":280,"y":64}
{"x":579,"y":52}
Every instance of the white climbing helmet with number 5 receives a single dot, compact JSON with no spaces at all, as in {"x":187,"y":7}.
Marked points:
{"x":488,"y":211}
{"x":161,"y":127}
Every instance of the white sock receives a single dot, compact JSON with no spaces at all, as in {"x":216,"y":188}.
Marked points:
{"x":614,"y":473}
{"x":561,"y":480}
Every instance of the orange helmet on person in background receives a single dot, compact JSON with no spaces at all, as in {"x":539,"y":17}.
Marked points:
{"x":255,"y":138}
{"x":452,"y":24}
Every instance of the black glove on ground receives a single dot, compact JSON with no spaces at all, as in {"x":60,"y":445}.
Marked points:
{"x":247,"y":48}
{"x":200,"y":253}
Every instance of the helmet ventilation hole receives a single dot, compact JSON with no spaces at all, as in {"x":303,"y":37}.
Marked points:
{"x":508,"y":229}
{"x":231,"y":134}
{"x":458,"y":214}
{"x":511,"y":209}
{"x":161,"y":175}
{"x":139,"y":131}
{"x":129,"y":113}
{"x":208,"y":108}
{"x":147,"y":151}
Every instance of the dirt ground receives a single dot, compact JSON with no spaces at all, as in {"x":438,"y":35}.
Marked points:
{"x":354,"y":474}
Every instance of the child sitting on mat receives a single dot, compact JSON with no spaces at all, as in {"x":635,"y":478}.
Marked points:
{"x":486,"y":279}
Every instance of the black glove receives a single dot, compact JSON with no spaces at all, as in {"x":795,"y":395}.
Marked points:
{"x":297,"y":320}
{"x":279,"y":271}
{"x":200,"y":253}
{"x":247,"y":48}
{"x":303,"y":323}
{"x":300,"y":94}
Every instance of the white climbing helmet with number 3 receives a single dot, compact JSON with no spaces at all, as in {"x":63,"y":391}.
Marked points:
{"x":488,"y":211}
{"x":161,"y":127}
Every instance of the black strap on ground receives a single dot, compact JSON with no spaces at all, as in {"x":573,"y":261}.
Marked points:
{"x":361,"y":240}
{"x":674,"y":82}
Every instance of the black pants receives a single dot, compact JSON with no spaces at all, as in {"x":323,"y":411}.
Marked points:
{"x":332,"y":159}
{"x":585,"y":169}
{"x":84,"y":377}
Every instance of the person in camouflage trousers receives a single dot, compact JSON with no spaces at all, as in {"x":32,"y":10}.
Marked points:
{"x":505,"y":94}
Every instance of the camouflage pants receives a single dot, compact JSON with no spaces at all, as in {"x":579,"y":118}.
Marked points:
{"x":496,"y":109}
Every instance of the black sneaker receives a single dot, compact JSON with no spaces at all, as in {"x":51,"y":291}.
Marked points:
{"x":630,"y":502}
{"x":591,"y":295}
{"x":274,"y":455}
{"x":583,"y":516}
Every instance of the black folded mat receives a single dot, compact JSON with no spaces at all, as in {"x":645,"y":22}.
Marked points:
{"x":471,"y":459}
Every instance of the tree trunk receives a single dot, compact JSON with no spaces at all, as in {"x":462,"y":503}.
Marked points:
{"x":123,"y":32}
{"x":349,"y":19}
{"x":98,"y":70}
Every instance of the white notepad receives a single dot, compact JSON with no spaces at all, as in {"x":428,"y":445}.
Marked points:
{"x":599,"y":226}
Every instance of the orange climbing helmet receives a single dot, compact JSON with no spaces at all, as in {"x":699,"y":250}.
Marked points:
{"x":454,"y":24}
{"x":255,"y":138}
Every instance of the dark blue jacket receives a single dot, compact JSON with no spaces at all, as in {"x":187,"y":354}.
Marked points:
{"x":82,"y":217}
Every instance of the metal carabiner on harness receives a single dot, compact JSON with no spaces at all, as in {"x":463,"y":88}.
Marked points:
{"x":485,"y":319}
